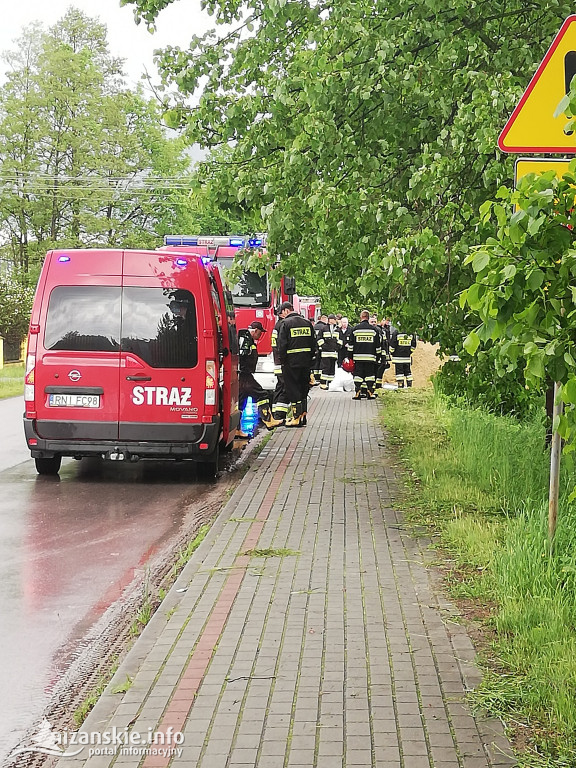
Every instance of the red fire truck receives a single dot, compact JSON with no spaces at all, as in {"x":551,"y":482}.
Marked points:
{"x":310,"y":307}
{"x":253,"y":296}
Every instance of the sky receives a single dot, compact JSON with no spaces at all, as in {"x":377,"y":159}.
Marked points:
{"x":176,"y":25}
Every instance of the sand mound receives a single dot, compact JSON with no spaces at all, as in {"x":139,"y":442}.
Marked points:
{"x":424,"y":364}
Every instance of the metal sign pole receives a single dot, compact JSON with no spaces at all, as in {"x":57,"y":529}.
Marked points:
{"x":556,"y":447}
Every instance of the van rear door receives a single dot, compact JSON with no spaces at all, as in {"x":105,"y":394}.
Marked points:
{"x":161,"y":381}
{"x":78,"y":351}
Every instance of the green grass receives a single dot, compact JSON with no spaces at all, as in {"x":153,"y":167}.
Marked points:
{"x":479,"y":482}
{"x":11,"y":380}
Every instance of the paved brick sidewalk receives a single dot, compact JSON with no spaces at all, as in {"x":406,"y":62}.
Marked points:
{"x":305,"y":630}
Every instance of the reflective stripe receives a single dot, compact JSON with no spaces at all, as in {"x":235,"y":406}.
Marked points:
{"x":401,"y":360}
{"x":327,"y":355}
{"x":278,"y":370}
{"x":295,"y":351}
{"x":364,"y":358}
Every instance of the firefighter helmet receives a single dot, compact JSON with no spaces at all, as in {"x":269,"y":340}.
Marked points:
{"x":348,"y":365}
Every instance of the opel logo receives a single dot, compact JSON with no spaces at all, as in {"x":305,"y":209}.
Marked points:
{"x":74,"y":375}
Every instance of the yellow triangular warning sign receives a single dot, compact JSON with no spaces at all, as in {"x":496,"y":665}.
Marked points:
{"x":532,"y":126}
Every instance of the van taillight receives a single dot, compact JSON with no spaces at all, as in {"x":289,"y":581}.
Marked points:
{"x":29,"y":379}
{"x":210,"y":396}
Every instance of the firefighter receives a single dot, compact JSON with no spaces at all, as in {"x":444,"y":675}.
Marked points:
{"x":365,"y":348}
{"x":317,"y":363}
{"x":329,"y":344}
{"x":296,"y":345}
{"x":280,"y":402}
{"x":383,"y":364}
{"x":248,"y":386}
{"x":345,"y":330}
{"x":401,"y":347}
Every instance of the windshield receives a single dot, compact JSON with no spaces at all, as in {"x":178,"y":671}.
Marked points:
{"x":251,"y":290}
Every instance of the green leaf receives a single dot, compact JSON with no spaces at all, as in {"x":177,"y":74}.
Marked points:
{"x":471,"y":343}
{"x":535,"y":367}
{"x":509,"y":271}
{"x":480,"y":261}
{"x":562,"y":106}
{"x":569,"y":391}
{"x":562,"y":426}
{"x":535,"y":279}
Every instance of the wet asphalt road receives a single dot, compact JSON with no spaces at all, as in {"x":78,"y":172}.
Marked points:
{"x":68,"y":547}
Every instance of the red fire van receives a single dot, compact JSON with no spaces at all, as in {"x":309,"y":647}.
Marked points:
{"x":131,"y":354}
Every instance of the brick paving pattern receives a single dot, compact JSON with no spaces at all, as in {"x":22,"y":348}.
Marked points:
{"x":305,"y":630}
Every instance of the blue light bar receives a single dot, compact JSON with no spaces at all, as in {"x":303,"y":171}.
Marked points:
{"x":206,"y":260}
{"x":181,"y":262}
{"x":235,"y":241}
{"x":63,"y":258}
{"x":254,"y":242}
{"x":180,"y":240}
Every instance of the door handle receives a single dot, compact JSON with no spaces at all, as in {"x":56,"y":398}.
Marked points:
{"x":138,"y":378}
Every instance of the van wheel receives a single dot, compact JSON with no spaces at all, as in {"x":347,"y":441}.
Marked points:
{"x":208,"y":470}
{"x":48,"y":466}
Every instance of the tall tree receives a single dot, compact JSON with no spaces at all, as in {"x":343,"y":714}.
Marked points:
{"x":365,"y":130}
{"x":83,"y":160}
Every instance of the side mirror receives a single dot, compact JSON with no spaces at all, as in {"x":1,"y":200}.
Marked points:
{"x":290,"y":285}
{"x":225,"y":352}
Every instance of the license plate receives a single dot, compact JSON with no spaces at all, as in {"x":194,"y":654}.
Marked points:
{"x":74,"y":401}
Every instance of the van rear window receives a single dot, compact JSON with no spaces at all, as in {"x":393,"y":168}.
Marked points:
{"x":159,"y":326}
{"x":156,"y":324}
{"x":84,"y":319}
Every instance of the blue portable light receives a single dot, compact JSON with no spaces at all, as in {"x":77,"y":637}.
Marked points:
{"x":249,"y":418}
{"x":63,"y":258}
{"x":236,"y":241}
{"x":181,"y":262}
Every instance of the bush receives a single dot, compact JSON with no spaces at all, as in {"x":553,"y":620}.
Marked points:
{"x":15,"y":307}
{"x":480,"y":383}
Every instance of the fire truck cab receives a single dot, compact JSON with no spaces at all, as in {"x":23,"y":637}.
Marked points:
{"x":254,"y":297}
{"x":131,"y":354}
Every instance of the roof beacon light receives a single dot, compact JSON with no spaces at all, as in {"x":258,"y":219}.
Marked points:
{"x":231,"y":241}
{"x":180,"y":240}
{"x":63,"y":258}
{"x":181,"y":262}
{"x":206,"y":260}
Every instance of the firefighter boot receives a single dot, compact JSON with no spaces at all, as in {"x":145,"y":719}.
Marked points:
{"x":357,"y":395}
{"x":295,"y":419}
{"x":304,"y":404}
{"x":267,"y":418}
{"x":370,"y":395}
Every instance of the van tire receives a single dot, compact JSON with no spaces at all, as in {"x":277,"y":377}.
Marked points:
{"x":208,"y":470}
{"x":49,"y":466}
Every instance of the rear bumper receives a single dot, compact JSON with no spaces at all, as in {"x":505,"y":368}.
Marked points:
{"x":174,"y":443}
